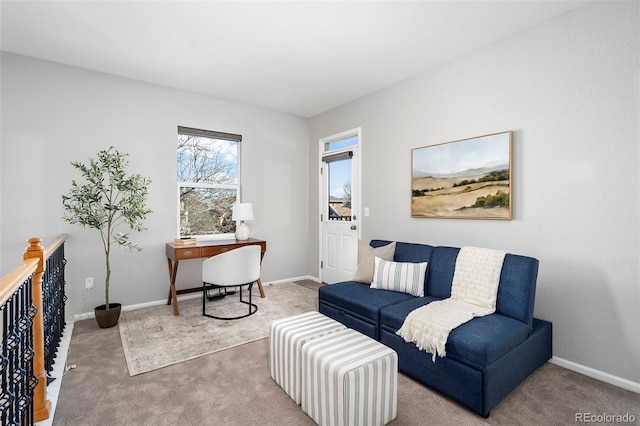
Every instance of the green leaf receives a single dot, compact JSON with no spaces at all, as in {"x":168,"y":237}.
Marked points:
{"x":106,"y":199}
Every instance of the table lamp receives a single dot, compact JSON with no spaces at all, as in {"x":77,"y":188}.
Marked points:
{"x":242,"y":212}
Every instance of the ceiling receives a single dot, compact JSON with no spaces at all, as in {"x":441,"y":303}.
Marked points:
{"x":302,"y":57}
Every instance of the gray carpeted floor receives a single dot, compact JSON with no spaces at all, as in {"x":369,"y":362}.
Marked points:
{"x":233,"y":387}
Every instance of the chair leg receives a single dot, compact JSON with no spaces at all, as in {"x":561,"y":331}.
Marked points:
{"x":253,"y":308}
{"x":207,"y":296}
{"x":250,"y":304}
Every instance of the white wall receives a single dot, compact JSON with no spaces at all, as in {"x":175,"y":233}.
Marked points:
{"x":53,"y":114}
{"x":569,"y":91}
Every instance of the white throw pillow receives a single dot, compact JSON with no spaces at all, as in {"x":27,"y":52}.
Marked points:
{"x":366,"y":254}
{"x":404,"y":277}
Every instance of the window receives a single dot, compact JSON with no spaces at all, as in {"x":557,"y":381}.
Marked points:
{"x":208,"y":181}
{"x":341,"y":143}
{"x":338,"y":169}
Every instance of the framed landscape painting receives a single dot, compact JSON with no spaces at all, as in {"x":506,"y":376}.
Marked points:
{"x":465,"y":179}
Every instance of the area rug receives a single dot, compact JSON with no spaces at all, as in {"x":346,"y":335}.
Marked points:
{"x":154,"y":337}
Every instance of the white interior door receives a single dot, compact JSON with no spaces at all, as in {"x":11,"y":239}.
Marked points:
{"x":340,"y":206}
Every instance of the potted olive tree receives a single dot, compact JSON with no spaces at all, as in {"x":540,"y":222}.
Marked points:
{"x":107,"y":201}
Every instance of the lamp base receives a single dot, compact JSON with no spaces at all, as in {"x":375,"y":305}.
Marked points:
{"x":242,"y":232}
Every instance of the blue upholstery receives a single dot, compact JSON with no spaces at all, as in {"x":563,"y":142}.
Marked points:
{"x":517,"y":290}
{"x":486,"y":358}
{"x":479,"y":342}
{"x":407,"y":252}
{"x":508,"y":372}
{"x":441,"y":268}
{"x":352,"y":296}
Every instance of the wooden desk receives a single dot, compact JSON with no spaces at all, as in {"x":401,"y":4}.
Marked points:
{"x":201,"y":250}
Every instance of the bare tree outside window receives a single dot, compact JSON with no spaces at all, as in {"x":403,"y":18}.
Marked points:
{"x":339,"y":173}
{"x":208,"y":182}
{"x":346,"y":189}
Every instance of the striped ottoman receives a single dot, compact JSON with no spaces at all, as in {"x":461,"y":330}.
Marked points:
{"x":349,"y":379}
{"x":287,"y":336}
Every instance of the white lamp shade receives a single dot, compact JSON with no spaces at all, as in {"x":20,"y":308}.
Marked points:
{"x":242,"y":211}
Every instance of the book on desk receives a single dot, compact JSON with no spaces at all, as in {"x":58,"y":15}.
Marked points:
{"x":184,"y":242}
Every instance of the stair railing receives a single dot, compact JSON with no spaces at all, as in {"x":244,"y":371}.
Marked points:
{"x":24,"y":303}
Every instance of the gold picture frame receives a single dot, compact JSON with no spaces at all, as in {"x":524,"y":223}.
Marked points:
{"x":463,"y":179}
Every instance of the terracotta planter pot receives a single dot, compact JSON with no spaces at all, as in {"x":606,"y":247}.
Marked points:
{"x":107,"y":318}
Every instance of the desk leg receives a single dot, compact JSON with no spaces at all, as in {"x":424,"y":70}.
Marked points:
{"x":260,"y":288}
{"x":260,"y":280}
{"x":170,"y":281}
{"x":173,"y":296}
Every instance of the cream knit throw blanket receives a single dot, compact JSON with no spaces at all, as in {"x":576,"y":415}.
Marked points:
{"x":473,"y":294}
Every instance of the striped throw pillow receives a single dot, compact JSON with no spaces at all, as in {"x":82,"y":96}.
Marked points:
{"x":403,"y":277}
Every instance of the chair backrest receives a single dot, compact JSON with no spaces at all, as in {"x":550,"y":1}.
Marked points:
{"x":235,"y":267}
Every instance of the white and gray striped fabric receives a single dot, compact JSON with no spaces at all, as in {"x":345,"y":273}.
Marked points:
{"x":349,"y":379}
{"x":404,"y":277}
{"x":287,"y":336}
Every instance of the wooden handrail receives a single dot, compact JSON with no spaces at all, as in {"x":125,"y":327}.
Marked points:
{"x":14,"y":279}
{"x":53,"y":245}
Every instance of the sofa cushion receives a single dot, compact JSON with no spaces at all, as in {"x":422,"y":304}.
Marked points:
{"x":516,"y":291}
{"x":360,"y":299}
{"x":366,"y":256}
{"x":407,"y":252}
{"x":392,"y":316}
{"x":441,"y":269}
{"x":478,"y":342}
{"x":483,"y":340}
{"x":405,"y":277}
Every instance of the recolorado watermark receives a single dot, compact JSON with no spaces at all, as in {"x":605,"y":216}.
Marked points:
{"x":605,"y":418}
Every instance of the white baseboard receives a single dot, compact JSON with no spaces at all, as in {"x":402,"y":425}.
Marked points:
{"x":59,"y":369}
{"x":597,"y":374}
{"x":288,"y":280}
{"x":87,"y":315}
{"x":84,"y":315}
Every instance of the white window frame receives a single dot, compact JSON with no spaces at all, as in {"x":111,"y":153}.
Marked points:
{"x":211,"y":135}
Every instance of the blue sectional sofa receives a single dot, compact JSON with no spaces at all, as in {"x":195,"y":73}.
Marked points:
{"x":486,"y":358}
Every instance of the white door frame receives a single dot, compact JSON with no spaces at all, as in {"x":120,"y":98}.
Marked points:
{"x":355,"y":207}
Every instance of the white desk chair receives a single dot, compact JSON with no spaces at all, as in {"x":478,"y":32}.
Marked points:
{"x":236,"y":268}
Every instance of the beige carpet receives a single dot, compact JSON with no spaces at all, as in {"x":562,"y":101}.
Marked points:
{"x":153,"y":337}
{"x":233,"y":387}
